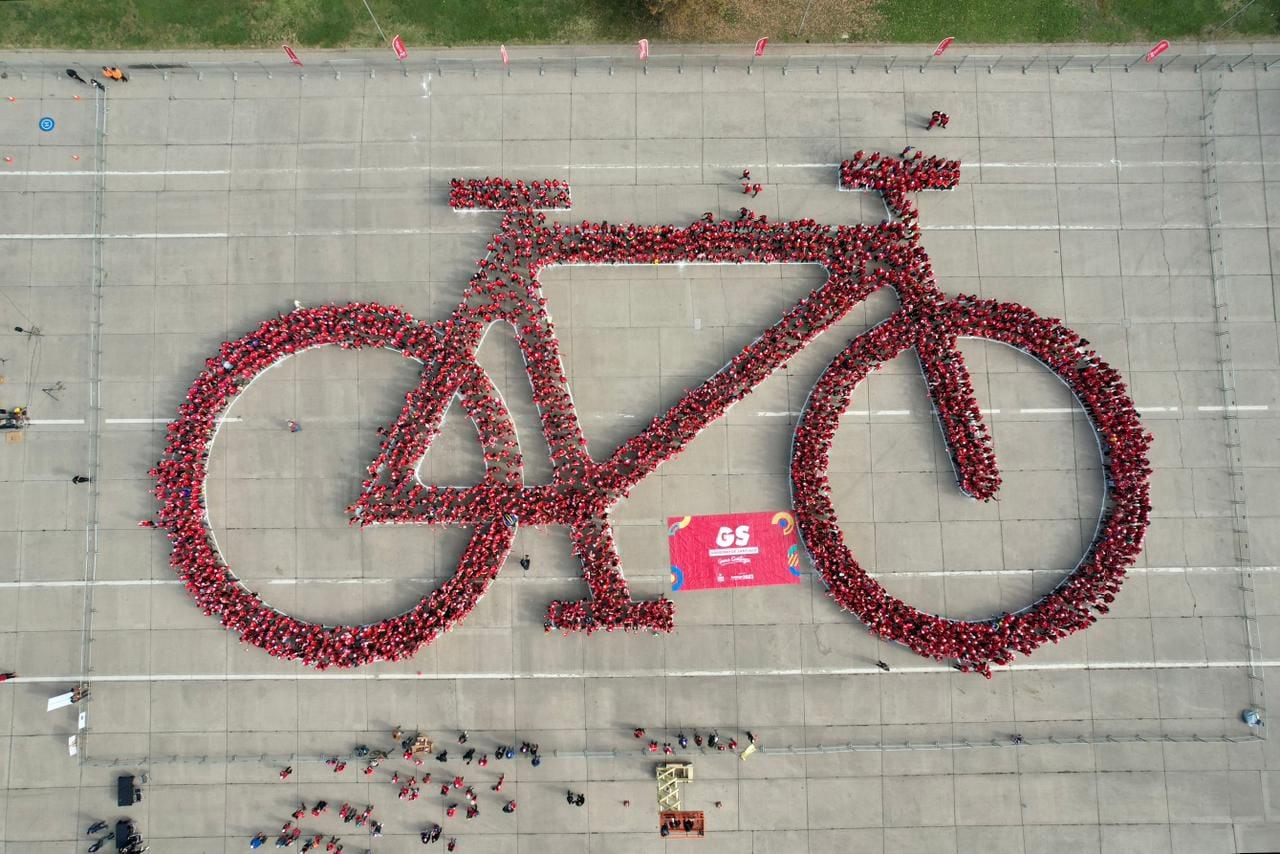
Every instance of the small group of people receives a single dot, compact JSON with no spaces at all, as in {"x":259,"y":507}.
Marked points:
{"x":416,"y":749}
{"x":674,"y":823}
{"x":712,"y":741}
{"x":111,"y":72}
{"x":292,"y":830}
{"x":432,"y":835}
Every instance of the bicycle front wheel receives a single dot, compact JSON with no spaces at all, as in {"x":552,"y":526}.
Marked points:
{"x":1087,"y":591}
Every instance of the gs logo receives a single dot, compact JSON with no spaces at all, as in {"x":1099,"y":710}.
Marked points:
{"x":738,"y":536}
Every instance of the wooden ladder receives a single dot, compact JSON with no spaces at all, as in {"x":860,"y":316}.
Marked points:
{"x":670,"y":776}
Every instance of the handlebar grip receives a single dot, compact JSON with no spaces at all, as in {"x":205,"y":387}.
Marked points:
{"x":500,"y":194}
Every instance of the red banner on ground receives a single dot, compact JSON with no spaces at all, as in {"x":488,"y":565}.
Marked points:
{"x":1161,"y":47}
{"x":735,"y":550}
{"x":293,"y":57}
{"x":397,"y":44}
{"x":943,"y":45}
{"x":761,"y":44}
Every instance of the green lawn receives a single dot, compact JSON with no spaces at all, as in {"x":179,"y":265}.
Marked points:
{"x":336,"y":23}
{"x":1071,"y":20}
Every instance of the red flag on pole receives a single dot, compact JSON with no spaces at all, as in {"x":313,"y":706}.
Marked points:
{"x":943,"y":45}
{"x":643,"y":45}
{"x":397,"y":44}
{"x":760,"y":46}
{"x":503,"y":50}
{"x":293,"y":57}
{"x":1160,"y":48}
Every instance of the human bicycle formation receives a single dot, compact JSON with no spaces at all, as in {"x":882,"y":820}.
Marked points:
{"x":504,"y":289}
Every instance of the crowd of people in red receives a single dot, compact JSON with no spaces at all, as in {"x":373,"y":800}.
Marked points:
{"x":931,"y":323}
{"x":501,"y":194}
{"x":859,"y":260}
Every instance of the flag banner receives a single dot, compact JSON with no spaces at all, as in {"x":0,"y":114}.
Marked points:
{"x":643,"y":45}
{"x":943,"y":45}
{"x":761,"y":45}
{"x":1161,"y":47}
{"x":734,"y":550}
{"x":397,"y":44}
{"x":293,"y":57}
{"x":503,"y":50}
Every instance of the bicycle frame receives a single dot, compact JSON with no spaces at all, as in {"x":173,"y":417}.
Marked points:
{"x":859,"y":259}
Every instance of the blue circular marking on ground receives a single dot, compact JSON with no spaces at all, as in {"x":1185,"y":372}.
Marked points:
{"x":677,"y":578}
{"x":46,"y":124}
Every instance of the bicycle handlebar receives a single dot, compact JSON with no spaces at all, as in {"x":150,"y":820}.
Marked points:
{"x":892,"y":177}
{"x":501,"y":194}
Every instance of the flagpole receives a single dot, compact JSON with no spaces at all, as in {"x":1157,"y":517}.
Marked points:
{"x":804,"y":18}
{"x":375,"y":21}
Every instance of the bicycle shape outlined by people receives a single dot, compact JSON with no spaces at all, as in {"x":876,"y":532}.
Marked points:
{"x":859,"y":260}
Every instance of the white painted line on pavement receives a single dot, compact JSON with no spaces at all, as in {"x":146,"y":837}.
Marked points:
{"x":534,"y":580}
{"x":564,"y":167}
{"x":785,"y":413}
{"x":221,"y":235}
{"x":1117,"y":227}
{"x":395,"y":232}
{"x":870,"y":670}
{"x":159,"y":420}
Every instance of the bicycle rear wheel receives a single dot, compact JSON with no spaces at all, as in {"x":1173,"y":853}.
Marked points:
{"x":180,"y":486}
{"x":1074,"y":604}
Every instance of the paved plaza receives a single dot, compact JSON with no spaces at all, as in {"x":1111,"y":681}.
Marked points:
{"x":1140,"y":206}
